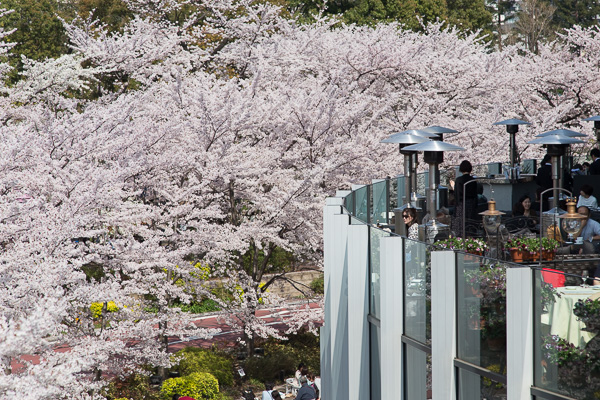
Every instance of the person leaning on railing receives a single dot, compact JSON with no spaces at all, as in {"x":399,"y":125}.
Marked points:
{"x":410,"y":219}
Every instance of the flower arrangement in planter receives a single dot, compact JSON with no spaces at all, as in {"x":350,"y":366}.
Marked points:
{"x":549,"y":247}
{"x":525,"y":249}
{"x":573,"y":363}
{"x":518,"y":248}
{"x":588,"y":311}
{"x":473,"y":246}
{"x":488,"y":282}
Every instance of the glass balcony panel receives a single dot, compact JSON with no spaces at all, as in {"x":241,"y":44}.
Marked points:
{"x":566,"y":340}
{"x":375,"y":362}
{"x":400,"y":191}
{"x":361,"y":199}
{"x":476,"y":387}
{"x":374,"y":269}
{"x":481,"y":297}
{"x":349,"y":203}
{"x":380,"y":206}
{"x":417,"y":292}
{"x":418,"y":374}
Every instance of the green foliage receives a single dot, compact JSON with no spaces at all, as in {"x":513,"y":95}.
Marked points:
{"x":93,"y":271}
{"x":204,"y":306}
{"x":132,"y":387}
{"x":318,"y":285}
{"x":279,"y":260}
{"x":199,"y":385}
{"x":576,"y":12}
{"x":469,"y":15}
{"x":113,"y":13}
{"x":195,"y":359}
{"x":39,"y":33}
{"x":285,"y":355}
{"x":370,"y":12}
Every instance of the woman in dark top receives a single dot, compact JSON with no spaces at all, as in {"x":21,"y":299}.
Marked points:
{"x":465,"y":197}
{"x":524,"y":207}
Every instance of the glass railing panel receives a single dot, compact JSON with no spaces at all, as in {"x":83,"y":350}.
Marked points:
{"x":417,"y":292}
{"x":380,"y":202}
{"x":361,"y":199}
{"x":418,"y":374}
{"x":528,"y":167}
{"x":481,"y":302}
{"x":375,"y":361}
{"x":375,"y":269}
{"x":566,"y":340}
{"x":417,"y":318}
{"x":400,"y":186}
{"x":393,"y":198}
{"x":475,"y":387}
{"x":349,"y":203}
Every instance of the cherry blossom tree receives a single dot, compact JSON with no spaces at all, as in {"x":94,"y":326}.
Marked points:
{"x":179,"y":151}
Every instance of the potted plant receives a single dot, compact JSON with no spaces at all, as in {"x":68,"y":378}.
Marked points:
{"x":573,"y":363}
{"x":588,"y":311}
{"x":488,"y":282}
{"x":473,"y":246}
{"x":549,"y":247}
{"x":517,"y":247}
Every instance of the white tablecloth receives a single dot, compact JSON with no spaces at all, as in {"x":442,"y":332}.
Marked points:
{"x":560,"y":315}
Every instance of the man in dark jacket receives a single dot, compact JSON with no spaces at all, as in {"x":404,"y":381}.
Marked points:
{"x":595,"y":166}
{"x":544,"y":174}
{"x":305,"y":392}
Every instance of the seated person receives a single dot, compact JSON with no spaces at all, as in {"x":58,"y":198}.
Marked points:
{"x":523,"y":208}
{"x":586,"y":199}
{"x":270,"y":394}
{"x":591,"y":228}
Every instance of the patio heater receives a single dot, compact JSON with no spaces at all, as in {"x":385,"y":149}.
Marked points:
{"x":556,"y":145}
{"x":433,"y":155}
{"x":406,"y":139}
{"x":512,"y":127}
{"x":563,"y":132}
{"x":440,"y":131}
{"x":596,"y":120}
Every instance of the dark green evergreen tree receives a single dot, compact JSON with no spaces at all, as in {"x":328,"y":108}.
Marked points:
{"x":40,"y":33}
{"x":469,"y":15}
{"x":576,"y":12}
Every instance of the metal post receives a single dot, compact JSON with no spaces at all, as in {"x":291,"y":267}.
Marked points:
{"x":555,"y":180}
{"x":408,"y":176}
{"x":413,"y":176}
{"x":431,"y":206}
{"x":513,"y":149}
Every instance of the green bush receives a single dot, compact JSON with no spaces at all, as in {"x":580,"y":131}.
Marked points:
{"x":199,"y":385}
{"x":134,"y":386}
{"x":318,"y":285}
{"x":193,"y":359}
{"x":204,"y":306}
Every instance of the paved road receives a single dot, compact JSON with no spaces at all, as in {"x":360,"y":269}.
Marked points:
{"x":229,"y":335}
